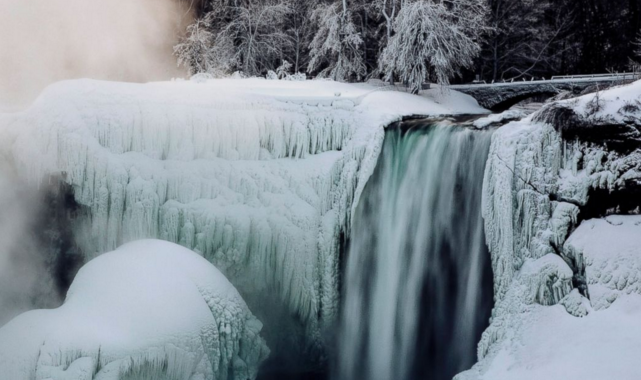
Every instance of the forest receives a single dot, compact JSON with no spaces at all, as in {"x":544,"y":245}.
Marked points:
{"x":412,"y":41}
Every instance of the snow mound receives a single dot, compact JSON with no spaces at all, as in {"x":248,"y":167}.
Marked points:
{"x":610,"y":117}
{"x":617,"y":105}
{"x":148,"y":310}
{"x":260,"y":177}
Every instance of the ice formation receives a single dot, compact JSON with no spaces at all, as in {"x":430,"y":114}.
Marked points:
{"x":148,"y":310}
{"x":259,"y":177}
{"x":557,"y":274}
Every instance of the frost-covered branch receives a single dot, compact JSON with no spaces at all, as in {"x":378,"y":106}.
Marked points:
{"x":336,"y":49}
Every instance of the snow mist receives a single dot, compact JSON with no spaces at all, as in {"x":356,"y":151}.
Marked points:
{"x":418,"y":287}
{"x":46,"y":41}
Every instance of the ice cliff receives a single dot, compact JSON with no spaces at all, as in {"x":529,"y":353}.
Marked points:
{"x":259,"y":177}
{"x":149,"y":310}
{"x":565,"y":262}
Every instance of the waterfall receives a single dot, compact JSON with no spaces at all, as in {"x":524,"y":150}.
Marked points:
{"x":418,"y":288}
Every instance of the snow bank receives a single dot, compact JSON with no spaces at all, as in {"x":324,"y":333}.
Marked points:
{"x":260,"y":177}
{"x":552,"y":343}
{"x":149,"y":310}
{"x":610,"y":251}
{"x":572,"y":160}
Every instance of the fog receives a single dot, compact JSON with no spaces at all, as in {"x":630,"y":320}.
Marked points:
{"x":43,"y":41}
{"x":26,"y":281}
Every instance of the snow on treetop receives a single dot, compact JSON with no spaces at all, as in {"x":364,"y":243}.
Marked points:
{"x":148,"y":306}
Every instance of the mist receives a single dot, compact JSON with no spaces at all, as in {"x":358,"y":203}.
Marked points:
{"x":26,"y":281}
{"x":44,"y":41}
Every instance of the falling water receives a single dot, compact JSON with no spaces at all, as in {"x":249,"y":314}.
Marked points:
{"x":417,"y":283}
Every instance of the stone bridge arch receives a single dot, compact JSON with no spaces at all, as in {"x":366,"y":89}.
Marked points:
{"x":499,"y":97}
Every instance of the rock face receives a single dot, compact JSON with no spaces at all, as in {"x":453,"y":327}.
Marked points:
{"x":574,"y":160}
{"x":149,"y":310}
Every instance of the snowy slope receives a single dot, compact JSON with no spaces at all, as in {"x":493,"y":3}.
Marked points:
{"x":563,"y":307}
{"x":553,"y":343}
{"x":150,"y":309}
{"x":610,"y":250}
{"x":260,"y":177}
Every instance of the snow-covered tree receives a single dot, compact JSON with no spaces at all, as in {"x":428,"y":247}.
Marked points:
{"x":434,"y":40}
{"x":202,"y":51}
{"x":388,"y":9}
{"x":284,"y":70}
{"x":256,"y":29}
{"x":300,"y":30}
{"x":336,"y":47}
{"x":195,"y":50}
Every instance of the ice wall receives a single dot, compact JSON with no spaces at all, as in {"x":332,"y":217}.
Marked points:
{"x":574,"y":160}
{"x":260,"y":177}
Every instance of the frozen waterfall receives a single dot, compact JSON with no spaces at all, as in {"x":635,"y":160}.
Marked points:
{"x":418,"y":288}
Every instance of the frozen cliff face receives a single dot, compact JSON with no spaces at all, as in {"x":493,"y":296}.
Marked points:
{"x":149,"y":310}
{"x":259,"y":177}
{"x":556,"y":285}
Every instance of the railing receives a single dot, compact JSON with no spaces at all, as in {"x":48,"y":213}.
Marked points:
{"x":618,"y":76}
{"x":555,"y":79}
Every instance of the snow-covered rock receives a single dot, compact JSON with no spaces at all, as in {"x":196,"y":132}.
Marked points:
{"x":148,"y":310}
{"x":555,"y":314}
{"x":260,"y":177}
{"x":498,"y":119}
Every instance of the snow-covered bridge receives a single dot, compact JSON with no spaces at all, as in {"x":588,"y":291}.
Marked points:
{"x":500,"y":96}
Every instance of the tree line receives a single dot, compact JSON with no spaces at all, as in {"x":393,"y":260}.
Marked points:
{"x":412,"y":40}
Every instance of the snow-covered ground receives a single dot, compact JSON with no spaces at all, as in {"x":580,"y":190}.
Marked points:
{"x":595,"y":339}
{"x":260,"y":177}
{"x":149,"y":310}
{"x":567,"y":300}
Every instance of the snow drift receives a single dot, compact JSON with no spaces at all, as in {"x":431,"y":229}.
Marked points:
{"x":149,"y":310}
{"x":259,"y":177}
